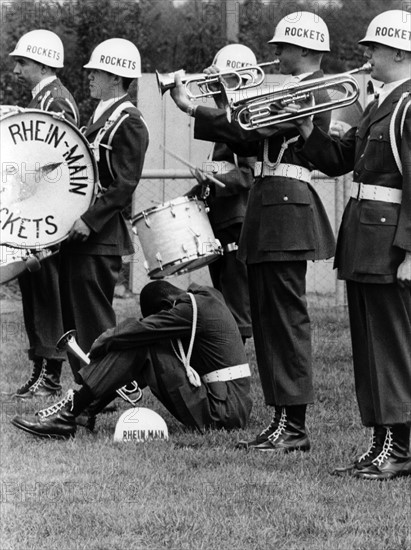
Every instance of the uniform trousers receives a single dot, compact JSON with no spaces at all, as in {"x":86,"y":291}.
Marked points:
{"x":229,"y":276}
{"x":380,"y":322}
{"x":215,"y":405}
{"x":87,"y":284}
{"x":281,"y":330}
{"x":41,"y":309}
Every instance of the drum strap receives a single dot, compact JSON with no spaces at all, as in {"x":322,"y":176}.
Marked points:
{"x":48,"y":96}
{"x":192,"y":375}
{"x":104,"y":129}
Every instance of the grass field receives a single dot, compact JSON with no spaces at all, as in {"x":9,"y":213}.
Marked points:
{"x":197,"y":492}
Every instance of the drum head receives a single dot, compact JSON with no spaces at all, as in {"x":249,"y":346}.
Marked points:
{"x":48,"y":177}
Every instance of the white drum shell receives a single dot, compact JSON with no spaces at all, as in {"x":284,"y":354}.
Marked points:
{"x":176,"y":237}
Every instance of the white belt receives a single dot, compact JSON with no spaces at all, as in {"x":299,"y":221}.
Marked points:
{"x":375,"y":193}
{"x":229,"y":373}
{"x":284,"y":170}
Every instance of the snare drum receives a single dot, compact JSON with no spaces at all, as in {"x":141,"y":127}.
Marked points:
{"x":48,"y":177}
{"x":176,"y":237}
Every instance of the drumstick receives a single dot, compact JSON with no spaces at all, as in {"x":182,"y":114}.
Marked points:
{"x":206,"y":174}
{"x":47,"y":168}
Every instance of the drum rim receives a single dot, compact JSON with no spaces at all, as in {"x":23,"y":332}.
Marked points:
{"x":208,"y":259}
{"x":23,"y":110}
{"x":173,"y":202}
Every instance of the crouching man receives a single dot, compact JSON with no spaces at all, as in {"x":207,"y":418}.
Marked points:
{"x":187,"y":349}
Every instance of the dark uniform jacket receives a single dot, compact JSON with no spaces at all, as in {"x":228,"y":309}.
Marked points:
{"x":374,"y":235}
{"x":285,"y":219}
{"x":217,"y":345}
{"x":121,"y":157}
{"x":56,"y":98}
{"x":228,"y":205}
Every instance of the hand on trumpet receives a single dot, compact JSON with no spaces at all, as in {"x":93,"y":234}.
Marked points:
{"x":338,"y":128}
{"x":179,"y":94}
{"x":305,"y":122}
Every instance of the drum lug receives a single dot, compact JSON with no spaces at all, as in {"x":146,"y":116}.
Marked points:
{"x":172,"y":211}
{"x":198,"y":204}
{"x":146,"y":220}
{"x":146,"y":266}
{"x":160,"y":260}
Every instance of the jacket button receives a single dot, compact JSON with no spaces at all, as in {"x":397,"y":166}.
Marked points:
{"x":285,"y":198}
{"x":383,"y":220}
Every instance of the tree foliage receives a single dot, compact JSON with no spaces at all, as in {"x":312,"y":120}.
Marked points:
{"x":172,"y":35}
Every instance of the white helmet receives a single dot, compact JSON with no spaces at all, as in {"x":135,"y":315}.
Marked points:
{"x":304,"y":29}
{"x":391,"y":28}
{"x":139,"y":425}
{"x":116,"y":56}
{"x":234,"y":56}
{"x":42,"y":46}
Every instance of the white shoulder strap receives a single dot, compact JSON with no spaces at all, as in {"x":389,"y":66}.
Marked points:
{"x":393,"y":141}
{"x":192,"y":375}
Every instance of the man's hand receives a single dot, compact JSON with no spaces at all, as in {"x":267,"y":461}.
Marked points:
{"x":179,"y":94}
{"x":338,"y":128}
{"x":404,"y":271}
{"x":79,"y":232}
{"x":304,"y":123}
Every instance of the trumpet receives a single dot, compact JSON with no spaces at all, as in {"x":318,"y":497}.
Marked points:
{"x":69,"y":343}
{"x":253,"y":74}
{"x":259,"y":108}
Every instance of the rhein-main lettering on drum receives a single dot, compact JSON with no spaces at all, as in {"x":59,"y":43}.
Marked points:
{"x":48,"y":178}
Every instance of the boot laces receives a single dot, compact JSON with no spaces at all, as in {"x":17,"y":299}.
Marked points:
{"x":35,"y":376}
{"x":281,"y":426}
{"x":39,"y":380}
{"x":53,"y":409}
{"x":269,"y":429}
{"x":386,"y":449}
{"x":373,"y":443}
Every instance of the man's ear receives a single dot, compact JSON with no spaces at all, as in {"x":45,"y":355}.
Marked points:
{"x":399,"y":55}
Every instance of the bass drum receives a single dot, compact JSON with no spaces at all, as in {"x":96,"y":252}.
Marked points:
{"x":48,"y":177}
{"x":176,"y":237}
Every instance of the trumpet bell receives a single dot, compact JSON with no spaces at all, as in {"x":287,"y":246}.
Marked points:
{"x":68,"y":343}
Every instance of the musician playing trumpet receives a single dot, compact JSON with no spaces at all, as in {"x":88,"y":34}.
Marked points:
{"x":228,"y":204}
{"x":374,"y":246}
{"x":285,"y":226}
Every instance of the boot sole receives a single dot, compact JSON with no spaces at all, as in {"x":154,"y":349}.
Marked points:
{"x":40,"y":434}
{"x":303,"y":448}
{"x":382,"y":476}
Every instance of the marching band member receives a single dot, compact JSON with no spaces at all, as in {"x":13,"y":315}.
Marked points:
{"x":285,"y":226}
{"x":91,"y":257}
{"x":156,"y":352}
{"x":374,"y":246}
{"x":37,"y":56}
{"x":228,"y":205}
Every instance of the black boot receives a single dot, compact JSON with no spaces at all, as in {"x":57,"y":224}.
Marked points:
{"x":365,"y":460}
{"x":394,"y":460}
{"x":290,"y":434}
{"x":44,"y":380}
{"x":50,"y":385}
{"x":263,"y":436}
{"x":37,"y":375}
{"x":56,"y":422}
